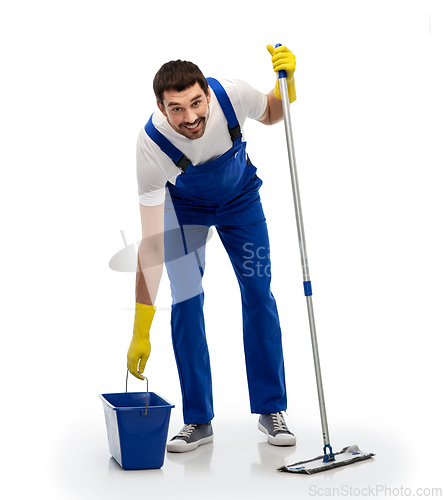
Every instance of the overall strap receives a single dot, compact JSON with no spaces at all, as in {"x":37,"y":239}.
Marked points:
{"x":181,"y":160}
{"x":167,"y":147}
{"x":228,"y":110}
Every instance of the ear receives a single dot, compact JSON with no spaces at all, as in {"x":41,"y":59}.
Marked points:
{"x":162,"y":109}
{"x":208,"y":95}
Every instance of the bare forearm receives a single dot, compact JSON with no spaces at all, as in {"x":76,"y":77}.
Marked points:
{"x":274,"y":110}
{"x":149,"y":272}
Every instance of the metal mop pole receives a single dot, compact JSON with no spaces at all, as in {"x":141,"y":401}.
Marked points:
{"x":328,"y":455}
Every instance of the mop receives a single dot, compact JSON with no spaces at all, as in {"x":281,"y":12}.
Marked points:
{"x":350,"y":454}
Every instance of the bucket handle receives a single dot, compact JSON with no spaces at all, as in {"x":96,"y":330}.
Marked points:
{"x":147,"y":389}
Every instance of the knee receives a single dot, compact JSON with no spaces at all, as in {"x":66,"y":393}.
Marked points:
{"x":185,"y":276}
{"x":256,"y":289}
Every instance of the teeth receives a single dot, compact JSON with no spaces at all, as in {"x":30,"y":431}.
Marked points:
{"x":195,"y":126}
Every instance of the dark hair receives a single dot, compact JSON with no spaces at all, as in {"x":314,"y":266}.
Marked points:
{"x":178,"y":75}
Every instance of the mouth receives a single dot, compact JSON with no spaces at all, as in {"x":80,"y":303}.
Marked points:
{"x":195,"y":126}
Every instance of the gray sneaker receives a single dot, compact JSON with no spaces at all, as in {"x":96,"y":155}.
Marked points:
{"x":191,"y":437}
{"x":274,"y":426}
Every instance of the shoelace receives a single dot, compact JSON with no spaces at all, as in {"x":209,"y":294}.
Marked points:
{"x":187,"y":430}
{"x":279,"y":422}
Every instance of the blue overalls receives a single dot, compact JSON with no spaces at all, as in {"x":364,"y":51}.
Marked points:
{"x":222,"y":193}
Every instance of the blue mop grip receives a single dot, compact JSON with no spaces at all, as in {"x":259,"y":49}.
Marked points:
{"x":308,"y":288}
{"x":282,"y":73}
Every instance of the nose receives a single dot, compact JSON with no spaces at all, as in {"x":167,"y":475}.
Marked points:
{"x":190,"y":116}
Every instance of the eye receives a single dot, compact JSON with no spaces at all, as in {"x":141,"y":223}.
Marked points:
{"x":176,"y":110}
{"x":196,"y":103}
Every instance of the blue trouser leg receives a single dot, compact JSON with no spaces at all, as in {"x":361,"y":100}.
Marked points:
{"x":248,"y":249}
{"x":192,"y":357}
{"x":185,"y":261}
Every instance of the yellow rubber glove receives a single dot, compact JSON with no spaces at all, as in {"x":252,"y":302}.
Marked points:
{"x":283,"y":59}
{"x":140,"y":347}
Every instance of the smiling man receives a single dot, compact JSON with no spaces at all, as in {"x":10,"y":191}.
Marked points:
{"x":187,"y":112}
{"x":194,"y":173}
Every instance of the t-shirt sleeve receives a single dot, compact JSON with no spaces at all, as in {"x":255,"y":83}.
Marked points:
{"x":253,"y":102}
{"x":151,"y":177}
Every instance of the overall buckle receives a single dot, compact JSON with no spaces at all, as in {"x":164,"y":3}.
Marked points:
{"x":235,"y":132}
{"x":183,"y":163}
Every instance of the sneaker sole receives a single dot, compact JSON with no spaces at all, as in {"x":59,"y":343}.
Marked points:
{"x":181,"y":446}
{"x":279,"y":439}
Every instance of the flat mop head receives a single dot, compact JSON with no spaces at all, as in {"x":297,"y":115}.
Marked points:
{"x":346,"y":456}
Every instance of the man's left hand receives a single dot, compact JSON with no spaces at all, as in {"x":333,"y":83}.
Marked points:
{"x":283,"y":60}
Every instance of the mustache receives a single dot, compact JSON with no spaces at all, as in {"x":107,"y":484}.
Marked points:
{"x":187,"y":124}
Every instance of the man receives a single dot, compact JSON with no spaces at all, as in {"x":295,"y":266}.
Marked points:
{"x":193,"y":173}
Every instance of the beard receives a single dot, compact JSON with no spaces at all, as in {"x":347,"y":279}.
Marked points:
{"x":193,"y":130}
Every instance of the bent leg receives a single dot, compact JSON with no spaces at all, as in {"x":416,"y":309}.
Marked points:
{"x":248,"y":249}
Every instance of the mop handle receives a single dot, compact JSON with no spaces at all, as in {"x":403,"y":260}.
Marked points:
{"x":303,"y":253}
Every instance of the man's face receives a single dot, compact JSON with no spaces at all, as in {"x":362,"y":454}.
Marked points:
{"x":187,"y":112}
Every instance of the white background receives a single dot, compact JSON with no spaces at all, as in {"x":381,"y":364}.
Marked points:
{"x":76,"y":89}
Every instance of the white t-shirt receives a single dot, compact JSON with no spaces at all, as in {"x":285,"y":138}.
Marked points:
{"x":155,"y":168}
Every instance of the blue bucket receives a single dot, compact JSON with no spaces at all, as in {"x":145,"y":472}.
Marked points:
{"x":137,"y":431}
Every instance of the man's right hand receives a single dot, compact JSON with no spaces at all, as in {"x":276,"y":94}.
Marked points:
{"x":140,"y":347}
